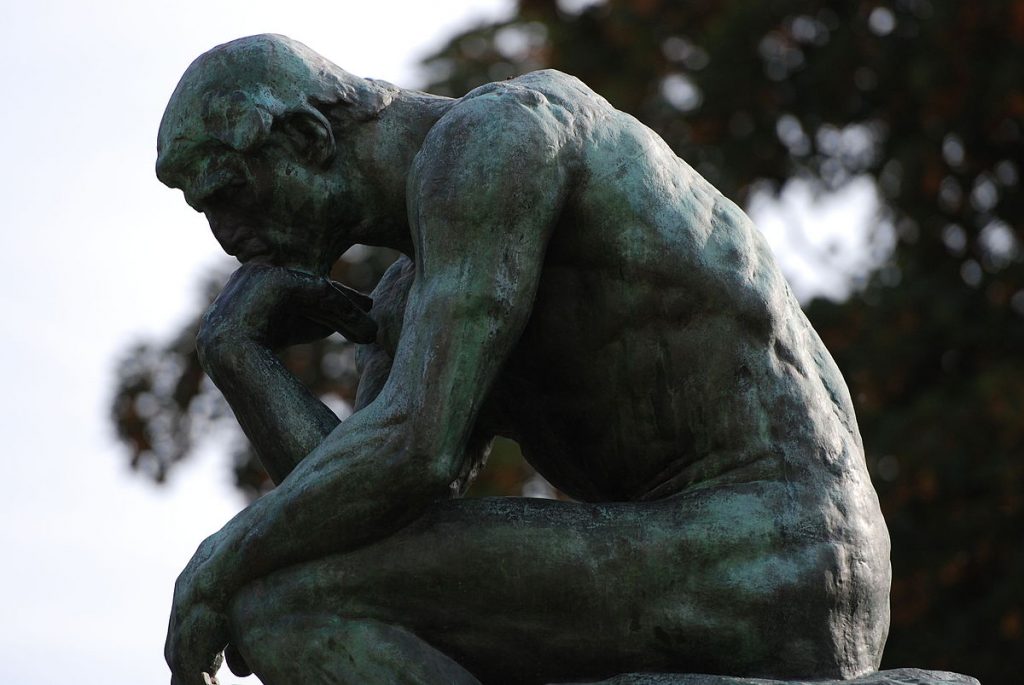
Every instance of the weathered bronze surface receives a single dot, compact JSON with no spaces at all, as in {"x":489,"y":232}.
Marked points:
{"x":569,"y":283}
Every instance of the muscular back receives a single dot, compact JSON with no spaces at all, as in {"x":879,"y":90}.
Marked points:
{"x":664,"y":351}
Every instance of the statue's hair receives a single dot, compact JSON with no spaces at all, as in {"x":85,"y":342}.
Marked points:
{"x":234,"y":92}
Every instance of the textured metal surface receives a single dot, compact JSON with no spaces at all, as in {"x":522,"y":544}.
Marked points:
{"x":568,"y":282}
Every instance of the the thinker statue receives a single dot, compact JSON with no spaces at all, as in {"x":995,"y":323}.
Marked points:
{"x":568,"y":282}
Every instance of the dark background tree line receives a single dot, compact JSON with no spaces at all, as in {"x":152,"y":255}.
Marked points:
{"x":924,"y":98}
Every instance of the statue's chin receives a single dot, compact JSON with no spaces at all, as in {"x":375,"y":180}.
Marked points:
{"x":254,"y":257}
{"x":261,"y":255}
{"x":252,"y":250}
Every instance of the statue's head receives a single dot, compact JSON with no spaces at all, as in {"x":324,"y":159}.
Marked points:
{"x":249,"y":136}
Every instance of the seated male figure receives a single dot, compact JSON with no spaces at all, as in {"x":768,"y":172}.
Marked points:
{"x":567,"y":282}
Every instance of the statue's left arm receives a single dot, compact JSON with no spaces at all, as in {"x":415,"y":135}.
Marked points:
{"x":485,"y":193}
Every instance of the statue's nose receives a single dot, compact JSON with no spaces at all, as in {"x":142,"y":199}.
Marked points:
{"x":163,"y":170}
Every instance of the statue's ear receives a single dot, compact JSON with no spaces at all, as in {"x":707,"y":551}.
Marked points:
{"x":235,"y":120}
{"x":308,"y":134}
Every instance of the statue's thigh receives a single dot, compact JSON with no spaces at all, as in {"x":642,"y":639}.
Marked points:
{"x":528,"y":587}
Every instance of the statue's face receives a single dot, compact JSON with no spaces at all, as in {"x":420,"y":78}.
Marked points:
{"x":268,"y":204}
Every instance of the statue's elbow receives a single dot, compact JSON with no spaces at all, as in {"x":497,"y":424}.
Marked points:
{"x":427,"y":461}
{"x":421,"y":440}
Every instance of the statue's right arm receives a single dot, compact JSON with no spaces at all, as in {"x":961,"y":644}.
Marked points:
{"x":282,"y":419}
{"x":262,"y":308}
{"x":480,"y":251}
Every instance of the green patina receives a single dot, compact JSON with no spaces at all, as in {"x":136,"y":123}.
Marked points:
{"x":568,"y":282}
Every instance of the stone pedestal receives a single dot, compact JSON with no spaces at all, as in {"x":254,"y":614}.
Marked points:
{"x":899,"y":676}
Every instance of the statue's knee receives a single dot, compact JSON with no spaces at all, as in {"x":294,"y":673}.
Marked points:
{"x":840,"y":604}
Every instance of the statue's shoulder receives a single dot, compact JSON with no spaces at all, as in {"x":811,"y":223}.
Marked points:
{"x":547,"y":89}
{"x":534,"y":115}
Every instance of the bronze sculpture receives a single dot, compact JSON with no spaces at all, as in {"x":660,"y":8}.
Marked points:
{"x":567,"y":282}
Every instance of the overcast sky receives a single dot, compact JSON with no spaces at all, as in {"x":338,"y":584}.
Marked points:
{"x":96,"y":253}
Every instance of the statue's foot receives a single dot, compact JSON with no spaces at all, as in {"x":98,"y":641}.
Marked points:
{"x":898,"y":676}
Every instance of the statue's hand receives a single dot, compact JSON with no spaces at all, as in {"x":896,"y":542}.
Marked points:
{"x":198,"y":629}
{"x":278,"y":306}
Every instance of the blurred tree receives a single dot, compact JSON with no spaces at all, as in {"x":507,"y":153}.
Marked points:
{"x":925,"y":100}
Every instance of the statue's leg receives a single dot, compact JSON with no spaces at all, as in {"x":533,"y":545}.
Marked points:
{"x":320,"y":648}
{"x":749,"y":579}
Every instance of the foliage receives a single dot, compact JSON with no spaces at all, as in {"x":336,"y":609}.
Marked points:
{"x":923,"y":98}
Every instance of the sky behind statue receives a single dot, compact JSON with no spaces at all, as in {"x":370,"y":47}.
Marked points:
{"x":97,"y":253}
